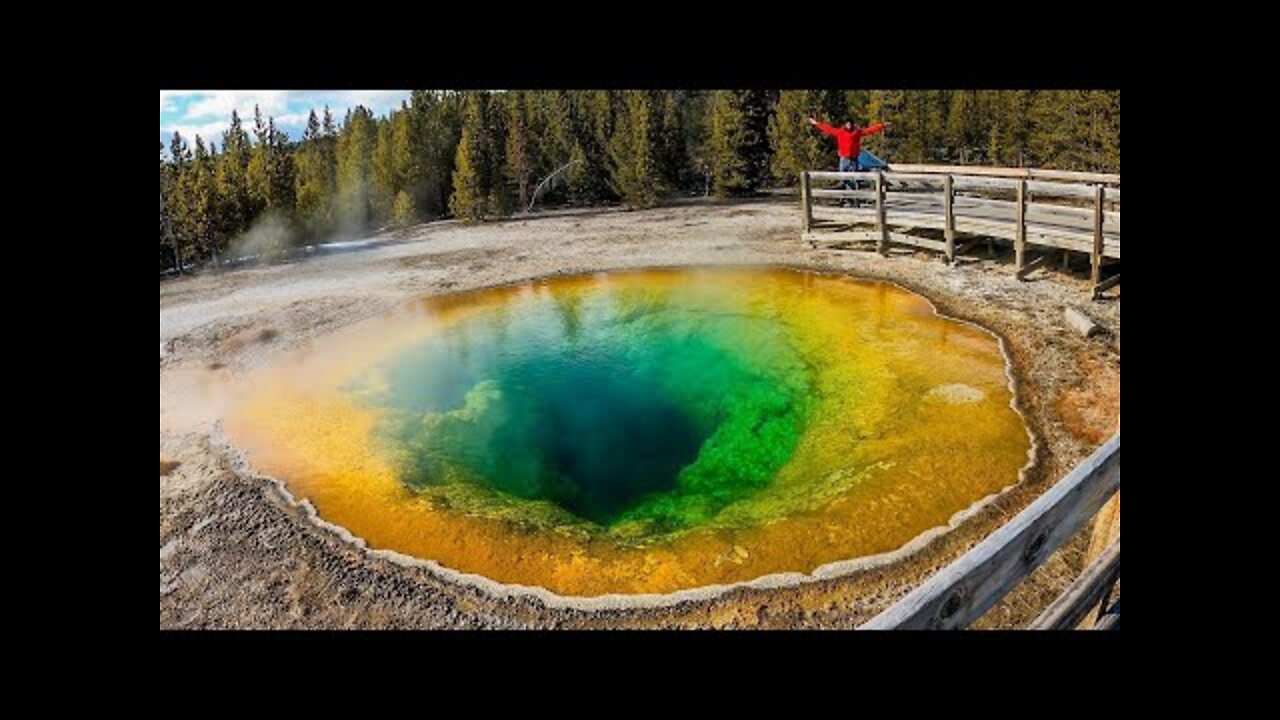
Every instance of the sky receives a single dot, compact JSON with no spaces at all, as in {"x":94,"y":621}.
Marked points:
{"x":207,"y":113}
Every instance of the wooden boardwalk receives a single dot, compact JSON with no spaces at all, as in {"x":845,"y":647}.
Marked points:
{"x":947,"y":209}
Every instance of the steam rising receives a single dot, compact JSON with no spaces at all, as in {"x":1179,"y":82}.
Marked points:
{"x":270,"y":237}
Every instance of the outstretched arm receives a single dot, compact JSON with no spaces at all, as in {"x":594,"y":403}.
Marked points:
{"x":872,"y":129}
{"x":822,"y":126}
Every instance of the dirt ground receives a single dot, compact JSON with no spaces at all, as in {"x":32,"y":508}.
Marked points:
{"x":236,"y":552}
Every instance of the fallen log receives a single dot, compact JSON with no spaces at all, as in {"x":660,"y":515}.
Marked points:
{"x":1081,"y":323}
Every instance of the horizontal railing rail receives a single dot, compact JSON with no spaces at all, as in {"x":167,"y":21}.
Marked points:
{"x":1017,"y":173}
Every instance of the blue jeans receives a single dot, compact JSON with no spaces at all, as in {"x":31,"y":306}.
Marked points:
{"x":849,"y":165}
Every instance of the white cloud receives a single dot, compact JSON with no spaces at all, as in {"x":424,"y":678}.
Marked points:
{"x":298,"y":118}
{"x":210,"y":131}
{"x":377,"y":100}
{"x":220,"y":103}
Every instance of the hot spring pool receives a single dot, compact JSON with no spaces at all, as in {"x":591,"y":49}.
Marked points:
{"x":642,"y":432}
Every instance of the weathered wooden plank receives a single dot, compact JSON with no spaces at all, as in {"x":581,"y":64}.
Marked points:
{"x":844,"y":236}
{"x":994,"y":228}
{"x":961,"y":592}
{"x":880,"y":214}
{"x":806,"y":204}
{"x":1020,"y":234}
{"x":1027,"y":173}
{"x":1106,"y":285}
{"x":972,"y":201}
{"x":1071,"y":607}
{"x":1081,"y":323}
{"x":1058,"y":189}
{"x":1027,"y":268}
{"x":949,"y":214}
{"x":984,"y":183}
{"x":896,"y":238}
{"x":893,"y":177}
{"x":845,"y":216}
{"x":1063,"y":211}
{"x":1072,"y":176}
{"x":1057,"y":241}
{"x":1095,"y":266}
{"x":926,"y":243}
{"x":1110,"y":620}
{"x":823,"y":193}
{"x":834,"y":175}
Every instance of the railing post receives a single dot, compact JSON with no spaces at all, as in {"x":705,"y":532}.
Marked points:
{"x":948,"y":208}
{"x":1020,"y":239}
{"x":883,"y":245}
{"x":1096,"y":267}
{"x":806,"y":202}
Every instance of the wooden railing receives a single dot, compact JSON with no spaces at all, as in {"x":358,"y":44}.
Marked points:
{"x":961,"y":592}
{"x":1060,"y":210}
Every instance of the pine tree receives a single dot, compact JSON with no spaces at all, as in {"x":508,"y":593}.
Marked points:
{"x":887,"y":106}
{"x":232,"y":179}
{"x":405,"y":159}
{"x":354,"y":153}
{"x":185,"y":242}
{"x":1013,"y":118}
{"x":179,"y":163}
{"x":499,"y":200}
{"x":556,"y":112}
{"x":518,"y":153}
{"x":854,"y":104}
{"x":329,"y":169}
{"x":328,"y":129}
{"x":383,"y":196}
{"x":167,"y":248}
{"x":961,"y":129}
{"x":1101,"y":134}
{"x":633,"y":151}
{"x":1051,"y":139}
{"x":588,"y":177}
{"x":258,"y":170}
{"x":922,"y":123}
{"x":697,"y":139}
{"x":404,"y":214}
{"x":470,"y":183}
{"x":674,"y":152}
{"x":1111,"y":139}
{"x":796,"y":145}
{"x":313,"y":183}
{"x":739,"y":141}
{"x":198,"y":204}
{"x":437,"y":125}
{"x":282,"y":171}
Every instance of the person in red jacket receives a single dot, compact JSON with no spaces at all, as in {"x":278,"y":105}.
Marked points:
{"x":849,"y":145}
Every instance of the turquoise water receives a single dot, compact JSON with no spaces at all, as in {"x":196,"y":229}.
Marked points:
{"x":616,"y":407}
